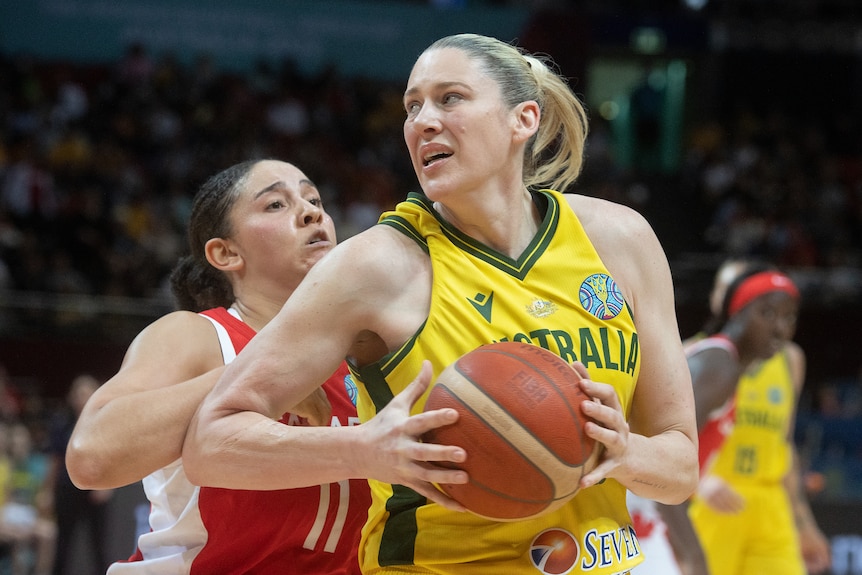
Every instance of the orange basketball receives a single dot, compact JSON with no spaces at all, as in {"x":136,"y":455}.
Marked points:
{"x":522,"y":427}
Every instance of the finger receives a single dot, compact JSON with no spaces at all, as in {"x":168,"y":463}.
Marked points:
{"x":432,"y":452}
{"x":422,"y":423}
{"x":605,"y":393}
{"x":606,"y":422}
{"x":581,"y":369}
{"x":607,"y":437}
{"x":419,"y":385}
{"x":429,"y":491}
{"x":438,"y":474}
{"x":731,"y":505}
{"x":596,"y":475}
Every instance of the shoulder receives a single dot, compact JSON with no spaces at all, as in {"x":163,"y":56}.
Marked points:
{"x":175,"y":322}
{"x":713,"y":362}
{"x":187,"y":338}
{"x":380,"y":253}
{"x":376,"y":282}
{"x":621,"y":236}
{"x":607,"y":220}
{"x":796,"y":363}
{"x":627,"y":245}
{"x":794,"y":352}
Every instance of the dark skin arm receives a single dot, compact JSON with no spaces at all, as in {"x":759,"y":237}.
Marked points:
{"x":714,"y":373}
{"x":814,"y":544}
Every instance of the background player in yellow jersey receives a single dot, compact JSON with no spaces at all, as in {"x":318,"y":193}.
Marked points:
{"x":484,"y":254}
{"x":750,"y":514}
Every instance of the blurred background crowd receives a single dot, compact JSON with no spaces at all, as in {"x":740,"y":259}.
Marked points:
{"x":730,"y":145}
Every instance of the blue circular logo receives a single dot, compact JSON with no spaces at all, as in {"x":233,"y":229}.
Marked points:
{"x":601,"y":297}
{"x":352,"y":390}
{"x":775,"y":395}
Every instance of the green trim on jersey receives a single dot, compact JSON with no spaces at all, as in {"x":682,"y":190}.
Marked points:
{"x":399,"y":534}
{"x":518,"y":268}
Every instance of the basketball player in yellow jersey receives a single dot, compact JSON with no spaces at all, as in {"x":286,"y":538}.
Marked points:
{"x":742,"y":513}
{"x":482,"y":255}
{"x":752,"y":490}
{"x":750,"y":514}
{"x":491,"y":297}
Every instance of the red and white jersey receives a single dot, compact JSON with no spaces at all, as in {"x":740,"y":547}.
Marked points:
{"x":649,"y":525}
{"x":204,"y":531}
{"x":659,"y":558}
{"x":719,"y":422}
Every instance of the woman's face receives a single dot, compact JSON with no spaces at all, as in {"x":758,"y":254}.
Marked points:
{"x":771,"y":322}
{"x":279,"y":226}
{"x":458,"y":130}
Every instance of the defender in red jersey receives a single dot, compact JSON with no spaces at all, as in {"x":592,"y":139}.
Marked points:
{"x":256,"y":229}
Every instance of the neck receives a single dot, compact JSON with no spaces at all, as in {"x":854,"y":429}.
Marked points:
{"x":506,"y":224}
{"x":257,"y":312}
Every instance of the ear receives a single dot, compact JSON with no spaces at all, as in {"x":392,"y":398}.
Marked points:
{"x":526,"y":117}
{"x":222,"y":255}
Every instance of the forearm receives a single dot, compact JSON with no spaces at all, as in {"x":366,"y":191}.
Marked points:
{"x":131,"y":436}
{"x":682,"y":536}
{"x":662,"y":467}
{"x":246,"y":450}
{"x":802,"y":513}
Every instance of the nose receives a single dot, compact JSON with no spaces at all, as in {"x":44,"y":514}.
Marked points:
{"x":786,"y":326}
{"x":426,"y":119}
{"x":311,"y":213}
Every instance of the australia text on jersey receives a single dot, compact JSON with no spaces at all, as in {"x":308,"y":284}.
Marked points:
{"x":600,"y":348}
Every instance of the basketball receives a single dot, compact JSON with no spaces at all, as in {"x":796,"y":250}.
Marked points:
{"x":522,"y":427}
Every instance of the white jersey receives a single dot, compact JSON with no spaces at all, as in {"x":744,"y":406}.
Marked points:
{"x":177,"y":532}
{"x":652,"y":535}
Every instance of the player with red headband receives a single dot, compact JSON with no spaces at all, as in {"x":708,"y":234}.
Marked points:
{"x":770,"y":301}
{"x":748,"y":513}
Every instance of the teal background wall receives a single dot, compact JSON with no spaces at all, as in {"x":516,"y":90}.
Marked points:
{"x":378,"y":40}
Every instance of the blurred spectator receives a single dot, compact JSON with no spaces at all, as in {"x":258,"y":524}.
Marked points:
{"x":71,"y":101}
{"x":26,"y":527}
{"x":10,"y":405}
{"x":135,"y":69}
{"x":113,"y":152}
{"x":841,"y":398}
{"x":27,"y":190}
{"x":74,"y":508}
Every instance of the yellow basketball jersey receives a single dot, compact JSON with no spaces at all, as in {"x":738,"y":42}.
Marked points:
{"x":557,"y":295}
{"x":757,"y":449}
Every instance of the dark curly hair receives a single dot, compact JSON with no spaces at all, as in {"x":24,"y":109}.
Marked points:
{"x":195,"y":284}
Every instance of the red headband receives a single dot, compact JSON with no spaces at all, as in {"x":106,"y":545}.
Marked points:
{"x":758,"y":285}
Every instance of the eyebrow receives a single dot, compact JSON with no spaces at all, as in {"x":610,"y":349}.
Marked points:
{"x":439,"y":86}
{"x":281,"y":184}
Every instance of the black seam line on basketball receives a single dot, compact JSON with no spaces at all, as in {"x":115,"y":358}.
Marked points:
{"x":536,"y":369}
{"x":547,"y":456}
{"x":488,"y":489}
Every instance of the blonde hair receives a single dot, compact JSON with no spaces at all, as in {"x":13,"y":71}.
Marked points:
{"x":554,"y":155}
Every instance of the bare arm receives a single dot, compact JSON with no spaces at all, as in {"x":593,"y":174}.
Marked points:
{"x":348,"y":298}
{"x":714,"y":378}
{"x":654,"y":454}
{"x":815,"y":546}
{"x":135,"y":423}
{"x":683,"y":539}
{"x":715,"y":374}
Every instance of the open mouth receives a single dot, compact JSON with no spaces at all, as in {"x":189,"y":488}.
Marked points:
{"x":428,"y":160}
